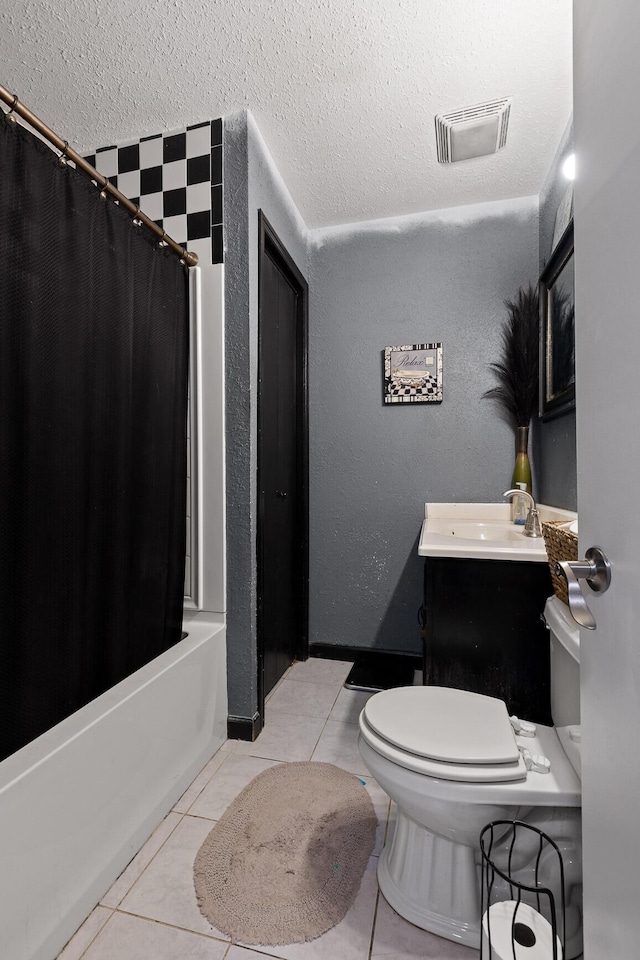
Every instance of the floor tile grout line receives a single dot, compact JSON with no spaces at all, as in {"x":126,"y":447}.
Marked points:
{"x":181,"y":817}
{"x":328,"y":715}
{"x":260,"y":949}
{"x":340,"y":689}
{"x":179,"y":814}
{"x":199,"y":816}
{"x":325,"y":720}
{"x":375,"y":911}
{"x":305,"y":716}
{"x":93,"y":938}
{"x":227,"y":754}
{"x":255,"y":948}
{"x":146,"y":867}
{"x":172,"y":926}
{"x":289,"y":670}
{"x":317,"y":659}
{"x":317,"y":682}
{"x":312,"y":716}
{"x":274,"y":688}
{"x":284,"y":713}
{"x":375,"y":920}
{"x":219,"y":750}
{"x":323,"y":729}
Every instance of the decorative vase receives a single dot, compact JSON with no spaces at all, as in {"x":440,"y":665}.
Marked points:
{"x":522,"y":468}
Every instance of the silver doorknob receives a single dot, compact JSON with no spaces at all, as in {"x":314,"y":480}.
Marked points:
{"x":596,"y":570}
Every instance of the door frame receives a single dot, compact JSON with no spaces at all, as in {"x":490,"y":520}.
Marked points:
{"x":269,"y":244}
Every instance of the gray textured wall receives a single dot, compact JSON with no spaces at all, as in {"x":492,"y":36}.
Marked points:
{"x":241,"y":595}
{"x":251,"y":183}
{"x":436,"y":277}
{"x":554,"y":442}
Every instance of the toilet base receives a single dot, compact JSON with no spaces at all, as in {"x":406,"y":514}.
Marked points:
{"x":431,"y":882}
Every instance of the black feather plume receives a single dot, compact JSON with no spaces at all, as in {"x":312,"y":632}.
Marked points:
{"x":517,"y":369}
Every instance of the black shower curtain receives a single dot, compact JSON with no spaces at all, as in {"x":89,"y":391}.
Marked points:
{"x":93,"y":396}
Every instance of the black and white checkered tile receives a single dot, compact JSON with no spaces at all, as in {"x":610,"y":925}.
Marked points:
{"x":424,"y":389}
{"x":177,"y":180}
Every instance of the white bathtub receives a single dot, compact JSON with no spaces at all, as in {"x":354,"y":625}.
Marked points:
{"x":78,"y":802}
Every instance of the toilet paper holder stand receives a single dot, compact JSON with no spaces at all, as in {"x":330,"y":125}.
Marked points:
{"x":512,"y":851}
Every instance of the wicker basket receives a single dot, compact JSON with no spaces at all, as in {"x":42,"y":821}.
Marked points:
{"x":561,"y":544}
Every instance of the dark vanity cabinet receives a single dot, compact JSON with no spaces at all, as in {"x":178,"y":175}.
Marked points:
{"x":483,"y":631}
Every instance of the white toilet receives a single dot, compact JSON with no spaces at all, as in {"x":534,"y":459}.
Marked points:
{"x":453,"y":761}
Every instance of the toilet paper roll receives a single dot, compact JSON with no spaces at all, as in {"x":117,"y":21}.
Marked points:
{"x":534,"y":936}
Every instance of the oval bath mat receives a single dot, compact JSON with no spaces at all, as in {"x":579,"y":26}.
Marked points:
{"x":284,"y":862}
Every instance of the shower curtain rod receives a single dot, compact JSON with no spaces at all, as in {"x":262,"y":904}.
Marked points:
{"x":106,"y":187}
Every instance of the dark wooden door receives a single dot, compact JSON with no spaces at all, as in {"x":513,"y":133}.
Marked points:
{"x":282,"y":486}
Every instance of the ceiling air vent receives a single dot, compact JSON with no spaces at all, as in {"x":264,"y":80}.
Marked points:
{"x":473,"y":132}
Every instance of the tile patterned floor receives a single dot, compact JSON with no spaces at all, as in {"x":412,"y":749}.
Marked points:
{"x":150,"y":913}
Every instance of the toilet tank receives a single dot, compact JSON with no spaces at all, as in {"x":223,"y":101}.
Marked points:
{"x":564,"y":636}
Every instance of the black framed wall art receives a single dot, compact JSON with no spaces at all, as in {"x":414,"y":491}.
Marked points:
{"x":557,"y":331}
{"x":413,"y":373}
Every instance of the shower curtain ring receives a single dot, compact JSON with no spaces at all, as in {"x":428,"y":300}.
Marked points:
{"x":11,"y":117}
{"x":63,"y":159}
{"x":103,"y":191}
{"x":162,"y":242}
{"x":137,"y":222}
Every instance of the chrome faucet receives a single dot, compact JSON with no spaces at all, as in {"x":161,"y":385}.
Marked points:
{"x":532,"y":526}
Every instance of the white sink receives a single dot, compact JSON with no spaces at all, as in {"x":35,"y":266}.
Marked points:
{"x":482,"y":531}
{"x":494,"y":530}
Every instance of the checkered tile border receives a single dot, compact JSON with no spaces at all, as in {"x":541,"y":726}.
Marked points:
{"x":177,"y":180}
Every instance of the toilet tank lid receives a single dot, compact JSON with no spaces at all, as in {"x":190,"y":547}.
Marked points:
{"x":444,"y":724}
{"x":563,"y":626}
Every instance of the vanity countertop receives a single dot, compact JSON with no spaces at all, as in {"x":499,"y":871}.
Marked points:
{"x":482,"y":531}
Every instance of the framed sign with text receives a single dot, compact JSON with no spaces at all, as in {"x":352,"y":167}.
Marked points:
{"x":413,"y":373}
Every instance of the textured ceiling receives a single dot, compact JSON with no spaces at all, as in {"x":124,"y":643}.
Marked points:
{"x":344,"y":91}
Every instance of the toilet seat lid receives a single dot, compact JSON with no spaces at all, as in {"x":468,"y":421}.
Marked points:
{"x":443,"y":724}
